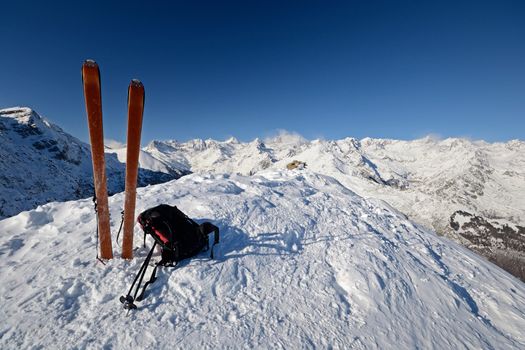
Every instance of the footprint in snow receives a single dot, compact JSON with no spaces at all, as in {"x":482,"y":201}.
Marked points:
{"x":12,"y":246}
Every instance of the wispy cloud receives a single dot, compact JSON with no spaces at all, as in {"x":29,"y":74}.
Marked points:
{"x":114,"y":144}
{"x":285,"y":136}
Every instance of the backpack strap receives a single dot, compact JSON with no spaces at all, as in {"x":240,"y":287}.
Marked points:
{"x":169,"y":257}
{"x":206,"y":228}
{"x":120,"y":228}
{"x":163,"y":262}
{"x":152,"y":279}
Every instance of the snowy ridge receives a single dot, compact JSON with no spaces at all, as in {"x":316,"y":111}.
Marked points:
{"x":303,"y":263}
{"x":40,"y":163}
{"x":198,"y":155}
{"x":147,"y":162}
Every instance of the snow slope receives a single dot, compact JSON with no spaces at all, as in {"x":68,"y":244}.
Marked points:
{"x":303,"y":263}
{"x":146,"y":161}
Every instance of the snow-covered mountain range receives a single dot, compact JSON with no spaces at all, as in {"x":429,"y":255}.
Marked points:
{"x":303,"y":262}
{"x":470,"y":191}
{"x":40,"y":163}
{"x":334,"y":250}
{"x":430,"y":180}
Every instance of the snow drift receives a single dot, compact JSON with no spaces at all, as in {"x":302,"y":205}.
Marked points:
{"x":303,"y":263}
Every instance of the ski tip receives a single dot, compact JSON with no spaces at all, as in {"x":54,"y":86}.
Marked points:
{"x":136,"y":83}
{"x":90,"y":63}
{"x":90,"y":71}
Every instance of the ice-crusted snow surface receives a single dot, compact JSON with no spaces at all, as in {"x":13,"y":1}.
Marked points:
{"x":303,"y":263}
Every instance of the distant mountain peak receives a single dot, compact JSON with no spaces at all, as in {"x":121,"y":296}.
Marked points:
{"x":232,"y":140}
{"x":17,"y":112}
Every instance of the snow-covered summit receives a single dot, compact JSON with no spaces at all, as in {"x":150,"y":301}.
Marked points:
{"x":303,"y":262}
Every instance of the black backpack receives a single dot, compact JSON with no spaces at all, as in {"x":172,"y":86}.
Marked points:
{"x":179,"y":238}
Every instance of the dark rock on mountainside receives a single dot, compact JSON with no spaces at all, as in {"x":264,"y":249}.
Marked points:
{"x":499,"y":242}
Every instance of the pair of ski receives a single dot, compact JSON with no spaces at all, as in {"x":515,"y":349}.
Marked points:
{"x":92,"y":94}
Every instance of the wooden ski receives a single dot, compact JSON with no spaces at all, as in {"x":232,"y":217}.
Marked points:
{"x":135,"y":113}
{"x":91,"y":82}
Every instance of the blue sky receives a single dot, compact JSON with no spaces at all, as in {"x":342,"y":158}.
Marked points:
{"x":214,"y":69}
